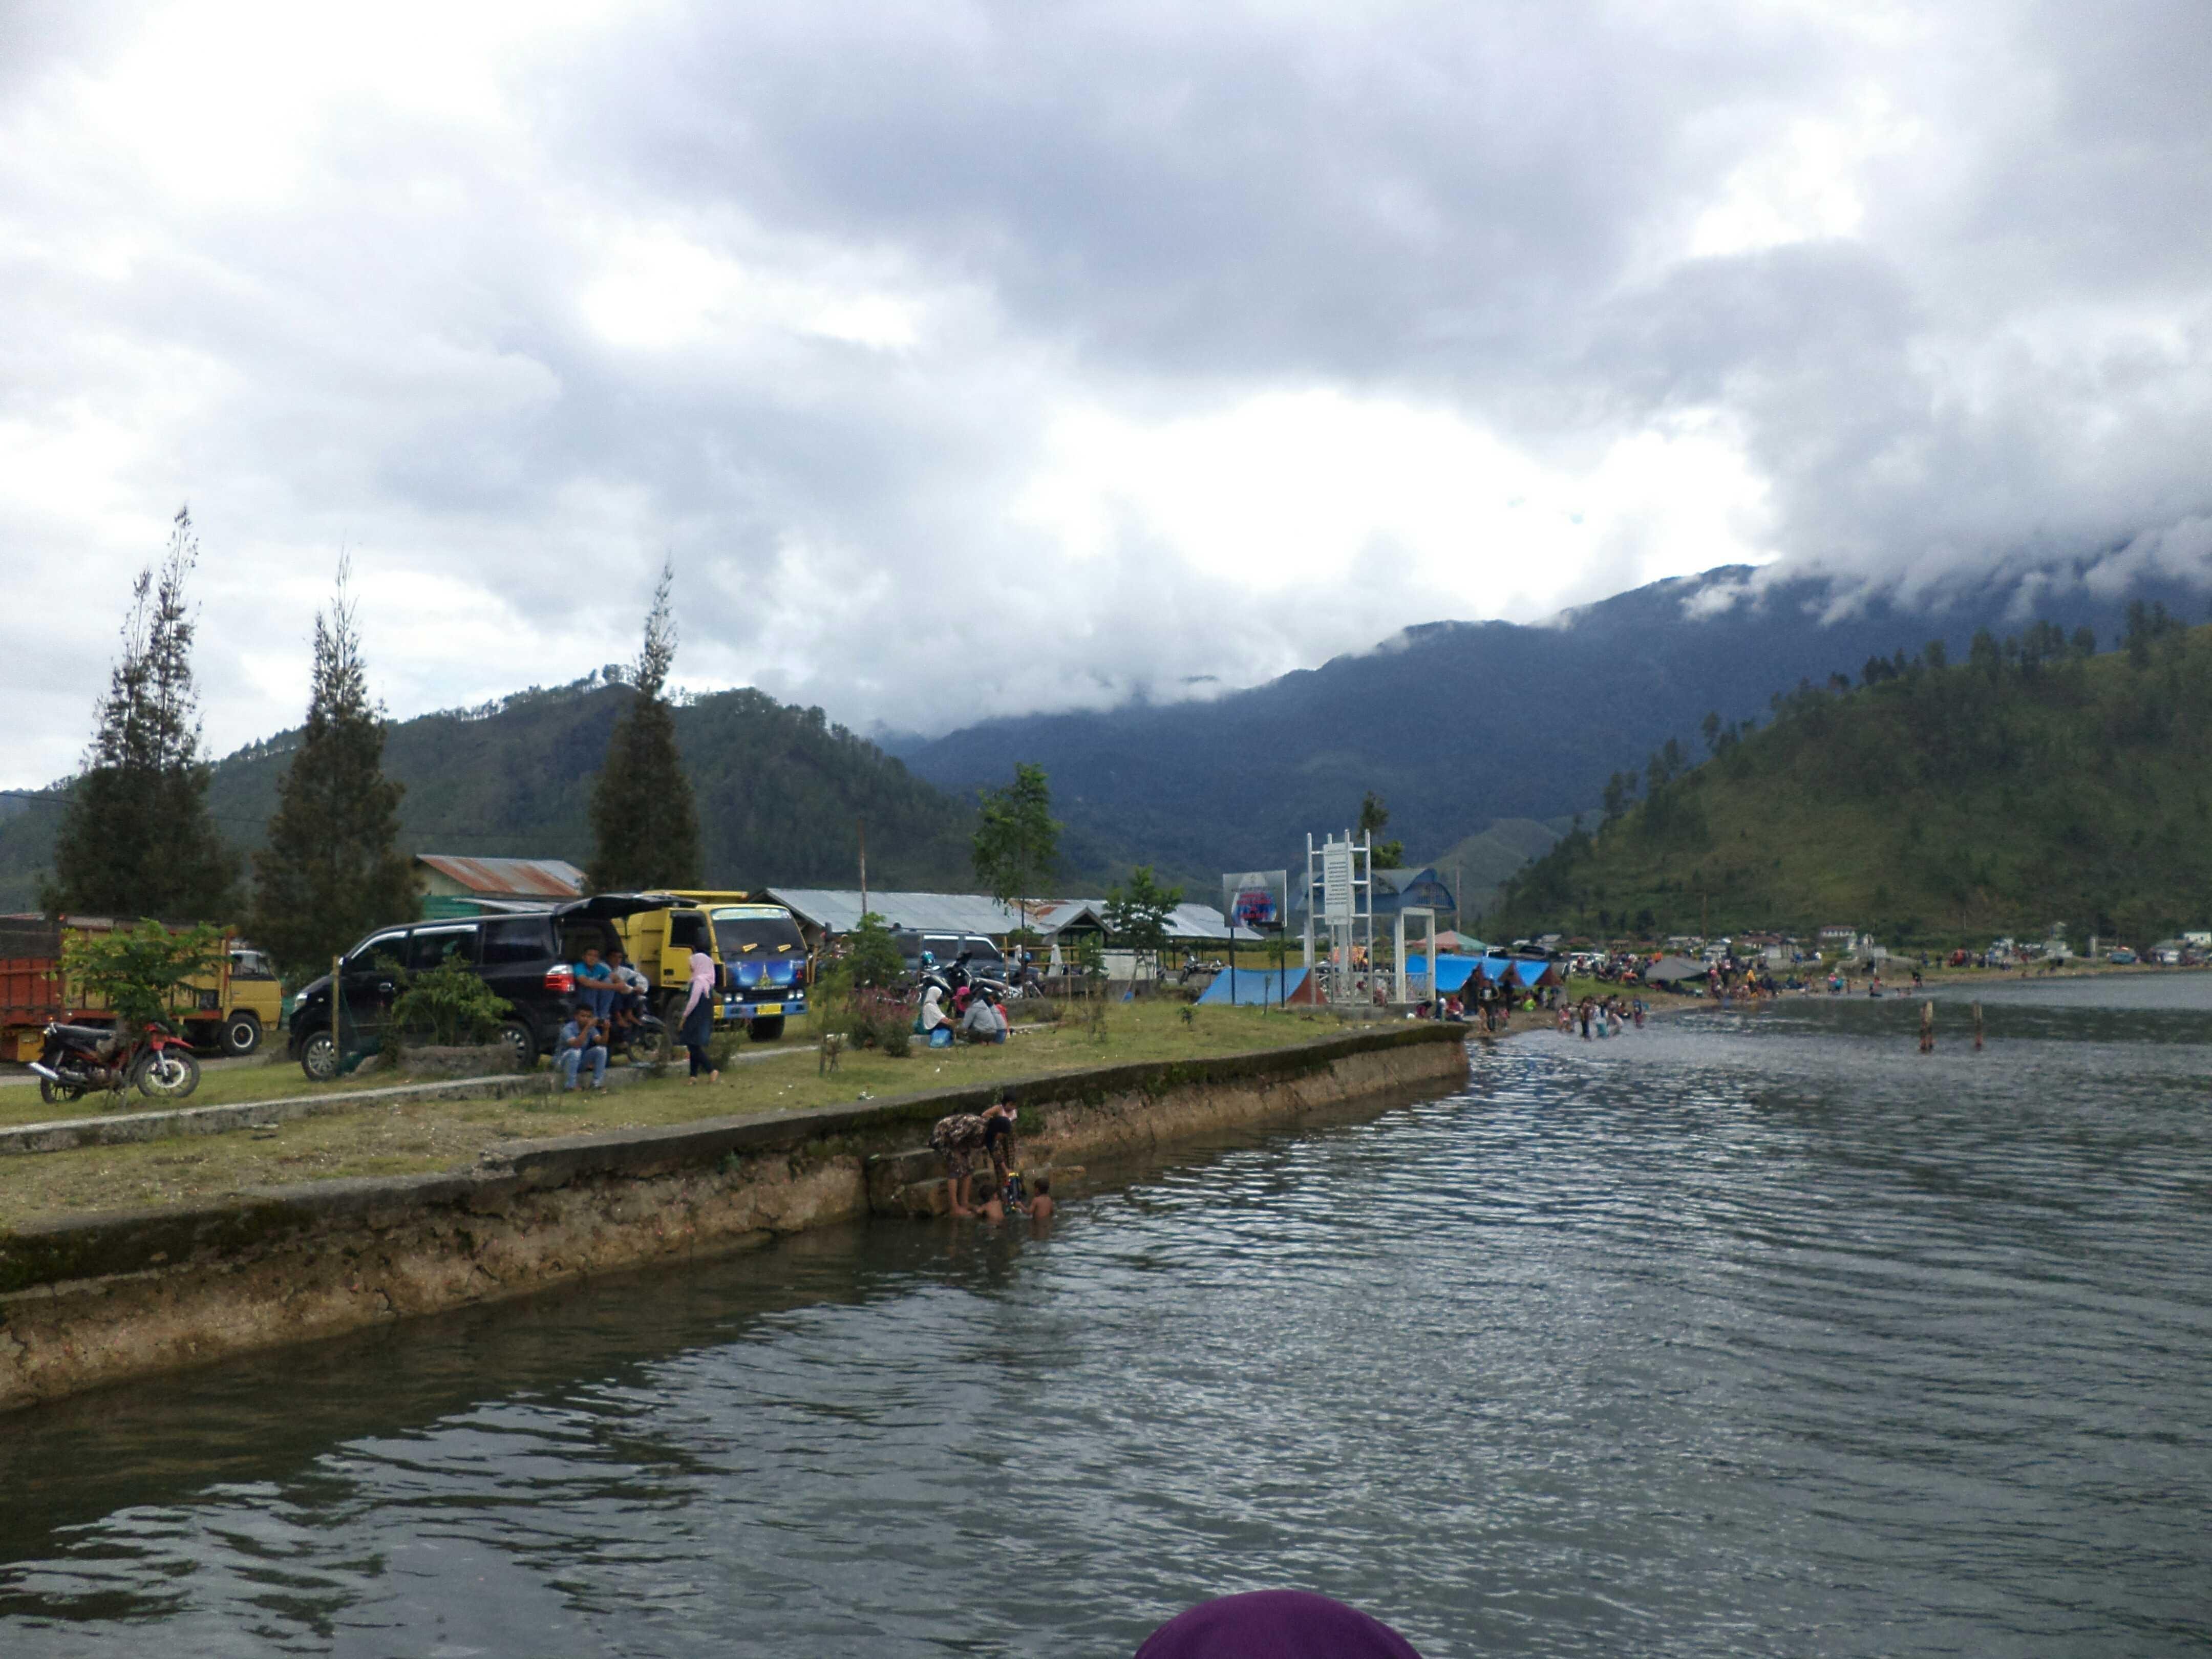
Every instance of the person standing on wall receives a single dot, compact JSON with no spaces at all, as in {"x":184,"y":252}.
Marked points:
{"x":698,"y":1025}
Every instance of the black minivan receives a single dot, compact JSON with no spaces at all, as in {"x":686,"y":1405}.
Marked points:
{"x":528,"y":958}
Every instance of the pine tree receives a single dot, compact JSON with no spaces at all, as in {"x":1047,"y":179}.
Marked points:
{"x":645,"y":822}
{"x":135,"y":838}
{"x":332,"y":869}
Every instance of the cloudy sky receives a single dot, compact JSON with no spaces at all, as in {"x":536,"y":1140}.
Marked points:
{"x":975,"y":357}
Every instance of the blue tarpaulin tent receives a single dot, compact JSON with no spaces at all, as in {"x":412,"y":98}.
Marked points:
{"x":1453,"y":972}
{"x":1255,"y":986}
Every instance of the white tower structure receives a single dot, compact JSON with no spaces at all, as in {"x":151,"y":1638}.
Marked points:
{"x":1340,"y":912}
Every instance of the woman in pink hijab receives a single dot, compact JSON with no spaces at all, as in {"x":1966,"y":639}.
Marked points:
{"x":699,"y":1018}
{"x":1275,"y":1624}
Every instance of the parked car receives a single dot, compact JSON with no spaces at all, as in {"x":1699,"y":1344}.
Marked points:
{"x":527,"y":959}
{"x":2122,"y":957}
{"x":945,"y":949}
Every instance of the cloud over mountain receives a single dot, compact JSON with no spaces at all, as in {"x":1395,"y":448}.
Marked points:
{"x":981,"y":356}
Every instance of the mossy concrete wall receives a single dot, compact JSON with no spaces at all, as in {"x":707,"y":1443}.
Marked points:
{"x":89,"y":1300}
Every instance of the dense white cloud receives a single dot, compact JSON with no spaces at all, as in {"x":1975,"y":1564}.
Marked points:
{"x":975,"y":357}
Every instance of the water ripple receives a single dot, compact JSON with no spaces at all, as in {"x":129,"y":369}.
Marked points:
{"x":1748,"y":1333}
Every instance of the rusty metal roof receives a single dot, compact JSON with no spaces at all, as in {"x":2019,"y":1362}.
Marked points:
{"x":509,"y":877}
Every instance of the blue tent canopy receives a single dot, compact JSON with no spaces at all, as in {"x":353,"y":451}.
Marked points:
{"x":1453,"y":972}
{"x":1256,"y":986}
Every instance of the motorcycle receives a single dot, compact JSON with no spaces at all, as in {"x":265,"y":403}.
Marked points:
{"x":950,"y":981}
{"x":78,"y":1059}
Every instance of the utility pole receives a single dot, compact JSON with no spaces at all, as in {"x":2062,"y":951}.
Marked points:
{"x":862,"y":824}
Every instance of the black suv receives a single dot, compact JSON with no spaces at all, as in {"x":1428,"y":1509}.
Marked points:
{"x":528,"y":959}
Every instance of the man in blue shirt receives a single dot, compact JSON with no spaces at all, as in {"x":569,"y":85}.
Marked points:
{"x":595,"y":985}
{"x":582,"y":1040}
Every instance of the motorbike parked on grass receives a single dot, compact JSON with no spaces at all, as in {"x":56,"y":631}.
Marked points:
{"x":78,"y":1059}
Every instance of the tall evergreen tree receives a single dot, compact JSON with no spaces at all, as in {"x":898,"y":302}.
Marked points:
{"x":333,"y":868}
{"x":645,"y":821}
{"x":135,"y":838}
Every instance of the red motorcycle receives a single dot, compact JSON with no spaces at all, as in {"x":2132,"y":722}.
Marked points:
{"x":78,"y":1059}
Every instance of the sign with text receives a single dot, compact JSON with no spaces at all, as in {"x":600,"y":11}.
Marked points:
{"x":1258,"y":899}
{"x":1336,"y":879}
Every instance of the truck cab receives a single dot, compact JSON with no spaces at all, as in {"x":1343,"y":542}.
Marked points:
{"x":764,"y":970}
{"x":255,"y":1003}
{"x":765,"y":957}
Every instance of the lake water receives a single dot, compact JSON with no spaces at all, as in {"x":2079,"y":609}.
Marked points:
{"x":1745,"y":1333}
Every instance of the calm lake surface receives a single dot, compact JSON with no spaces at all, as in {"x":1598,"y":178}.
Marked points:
{"x":1742,"y":1335}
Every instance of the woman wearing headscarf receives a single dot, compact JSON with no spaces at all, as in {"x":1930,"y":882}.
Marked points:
{"x":1275,"y":1624}
{"x":932,"y":1010}
{"x":699,"y":1018}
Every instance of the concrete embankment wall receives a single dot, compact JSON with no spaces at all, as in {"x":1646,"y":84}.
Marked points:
{"x":86,"y":1300}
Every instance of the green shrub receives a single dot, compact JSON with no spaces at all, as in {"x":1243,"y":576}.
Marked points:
{"x":450,"y":1003}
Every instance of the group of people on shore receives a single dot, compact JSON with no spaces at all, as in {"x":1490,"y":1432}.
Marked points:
{"x":975,"y":1014}
{"x":612,"y":1001}
{"x":1487,"y":1004}
{"x":958,"y":1136}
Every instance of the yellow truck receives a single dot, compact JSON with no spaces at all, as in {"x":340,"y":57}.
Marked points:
{"x":762,"y":973}
{"x":228,"y":1008}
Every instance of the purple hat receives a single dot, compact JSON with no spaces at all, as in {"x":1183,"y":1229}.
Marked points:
{"x":1275,"y":1624}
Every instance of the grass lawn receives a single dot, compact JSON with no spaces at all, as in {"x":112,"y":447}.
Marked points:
{"x":417,"y":1136}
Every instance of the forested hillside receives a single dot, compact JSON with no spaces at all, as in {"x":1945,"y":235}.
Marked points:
{"x":780,"y":791}
{"x":2035,"y":782}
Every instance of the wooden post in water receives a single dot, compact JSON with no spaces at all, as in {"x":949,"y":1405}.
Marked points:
{"x":1927,"y":1028}
{"x":1978,"y":1025}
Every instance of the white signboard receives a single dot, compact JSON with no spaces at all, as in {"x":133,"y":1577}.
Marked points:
{"x":1336,"y":879}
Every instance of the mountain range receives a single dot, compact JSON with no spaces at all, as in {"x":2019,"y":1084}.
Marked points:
{"x":1460,"y":725}
{"x":1486,"y":740}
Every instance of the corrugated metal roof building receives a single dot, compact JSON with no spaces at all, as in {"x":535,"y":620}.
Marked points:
{"x":837,"y":910}
{"x":452,"y":884}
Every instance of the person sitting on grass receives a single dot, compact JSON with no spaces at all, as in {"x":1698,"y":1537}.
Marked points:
{"x":982,"y":1022}
{"x":932,"y":1013}
{"x":581,"y":1041}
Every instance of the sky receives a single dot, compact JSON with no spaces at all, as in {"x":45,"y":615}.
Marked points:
{"x":974,"y":358}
